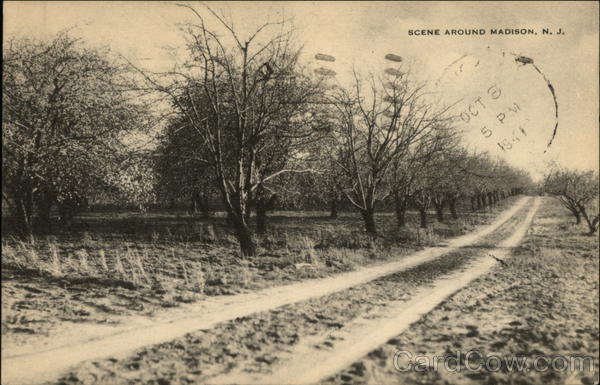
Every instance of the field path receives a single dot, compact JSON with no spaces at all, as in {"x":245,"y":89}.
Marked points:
{"x":36,"y":364}
{"x":307,"y":364}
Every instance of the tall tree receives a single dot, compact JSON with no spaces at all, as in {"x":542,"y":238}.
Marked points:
{"x":242,"y":97}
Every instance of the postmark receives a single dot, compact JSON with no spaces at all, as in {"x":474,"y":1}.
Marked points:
{"x":502,"y":102}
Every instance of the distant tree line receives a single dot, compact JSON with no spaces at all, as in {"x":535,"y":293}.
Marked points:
{"x":247,"y":123}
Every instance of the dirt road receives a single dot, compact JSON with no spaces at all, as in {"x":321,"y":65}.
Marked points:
{"x":35,"y":364}
{"x":307,"y":364}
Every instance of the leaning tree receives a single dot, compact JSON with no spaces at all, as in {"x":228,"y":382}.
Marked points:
{"x":577,"y":191}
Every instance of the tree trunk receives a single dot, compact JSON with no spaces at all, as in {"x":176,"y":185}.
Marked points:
{"x":577,"y":215}
{"x":334,"y":209}
{"x":200,"y":203}
{"x":251,"y":203}
{"x":44,"y":206}
{"x":592,"y":224}
{"x":263,"y":203}
{"x":65,"y":212}
{"x":205,"y":206}
{"x":244,"y":236}
{"x":401,"y":205}
{"x":473,"y":203}
{"x":423,"y":216}
{"x":237,"y":210}
{"x":24,"y":216}
{"x":194,"y":204}
{"x":369,"y":219}
{"x":452,"y":205}
{"x":480,"y":202}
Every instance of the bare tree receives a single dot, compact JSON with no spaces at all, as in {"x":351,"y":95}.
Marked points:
{"x":456,"y":178}
{"x":244,"y":97}
{"x":578,"y":192}
{"x":377,"y":123}
{"x":409,"y":169}
{"x":323,"y":187}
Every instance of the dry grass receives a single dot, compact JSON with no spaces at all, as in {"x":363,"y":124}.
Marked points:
{"x":176,"y":255}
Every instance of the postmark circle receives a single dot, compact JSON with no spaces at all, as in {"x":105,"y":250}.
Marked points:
{"x":501,"y":102}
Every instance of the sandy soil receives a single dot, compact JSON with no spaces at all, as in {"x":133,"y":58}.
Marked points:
{"x":257,"y":341}
{"x":103,"y":340}
{"x":542,"y":303}
{"x":359,"y":337}
{"x":139,"y":266}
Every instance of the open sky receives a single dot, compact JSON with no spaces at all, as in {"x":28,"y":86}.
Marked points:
{"x":360,"y":34}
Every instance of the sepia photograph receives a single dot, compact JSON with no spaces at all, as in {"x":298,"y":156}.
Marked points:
{"x":300,"y":192}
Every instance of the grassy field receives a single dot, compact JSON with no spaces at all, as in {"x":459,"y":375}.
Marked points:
{"x":257,"y":342}
{"x":121,"y":264}
{"x":541,"y":301}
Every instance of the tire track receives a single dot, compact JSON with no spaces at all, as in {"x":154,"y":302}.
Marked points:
{"x":308,"y":365}
{"x":31,"y":365}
